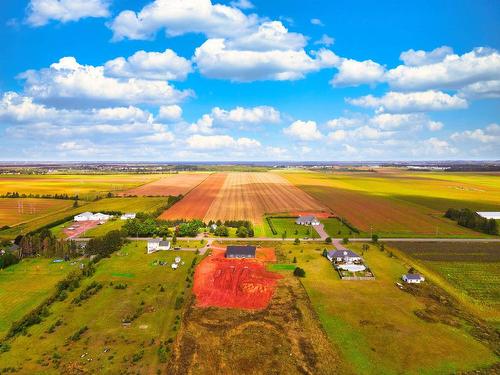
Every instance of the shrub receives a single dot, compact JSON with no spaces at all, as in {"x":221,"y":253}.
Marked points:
{"x":77,"y":335}
{"x":299,"y":272}
{"x":328,"y":240}
{"x":374,"y":238}
{"x":178,"y":302}
{"x":296,"y":241}
{"x":345,"y":240}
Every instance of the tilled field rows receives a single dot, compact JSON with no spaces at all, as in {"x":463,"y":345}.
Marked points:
{"x":249,"y":196}
{"x":172,"y":185}
{"x":242,"y":196}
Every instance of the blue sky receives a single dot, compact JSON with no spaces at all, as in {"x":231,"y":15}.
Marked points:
{"x":189,"y":80}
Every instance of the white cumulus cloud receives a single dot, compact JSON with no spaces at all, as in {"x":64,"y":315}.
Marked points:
{"x":165,"y":65}
{"x":255,"y":115}
{"x":303,"y":131}
{"x":216,"y":142}
{"x":41,"y":12}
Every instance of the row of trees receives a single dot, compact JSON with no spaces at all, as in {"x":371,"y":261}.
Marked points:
{"x":15,"y":194}
{"x":44,"y":243}
{"x":470,"y":219}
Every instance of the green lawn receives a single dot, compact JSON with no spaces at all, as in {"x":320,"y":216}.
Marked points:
{"x":25,"y":285}
{"x":282,"y":225}
{"x":114,"y":348}
{"x":101,"y":230}
{"x":373,"y":322}
{"x":335,"y":228}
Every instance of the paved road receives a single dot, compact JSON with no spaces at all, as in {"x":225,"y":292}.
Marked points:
{"x":320,"y":229}
{"x":233,"y":239}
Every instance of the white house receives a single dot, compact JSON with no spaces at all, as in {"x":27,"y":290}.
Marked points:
{"x":413,"y":278}
{"x":490,"y":215}
{"x":130,"y":215}
{"x":307,"y":220}
{"x":346,"y":256}
{"x":89,"y":216}
{"x":157,"y":245}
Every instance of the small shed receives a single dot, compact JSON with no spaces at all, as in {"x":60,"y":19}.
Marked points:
{"x":129,"y":215}
{"x":240,"y":252}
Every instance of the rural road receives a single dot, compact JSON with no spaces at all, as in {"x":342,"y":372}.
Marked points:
{"x":406,"y":239}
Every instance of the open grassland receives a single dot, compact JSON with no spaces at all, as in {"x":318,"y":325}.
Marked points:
{"x":196,"y":203}
{"x":127,"y":326}
{"x":284,"y":338}
{"x":336,"y":228}
{"x":473,"y":268}
{"x":25,"y":285}
{"x":137,"y":204}
{"x":402,"y":203}
{"x":375,"y":324}
{"x":17,"y":210}
{"x":287,"y":226}
{"x":174,"y":184}
{"x":86,"y":186}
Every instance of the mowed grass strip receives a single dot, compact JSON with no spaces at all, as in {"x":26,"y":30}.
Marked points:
{"x":17,"y":210}
{"x":287,"y":226}
{"x":146,"y":304}
{"x":374,"y":324}
{"x":25,"y":285}
{"x":400,"y":204}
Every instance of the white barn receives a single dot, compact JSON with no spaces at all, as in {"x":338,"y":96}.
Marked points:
{"x":490,"y":215}
{"x":307,"y":220}
{"x":157,"y":245}
{"x":89,"y":216}
{"x":129,"y":215}
{"x":413,"y":278}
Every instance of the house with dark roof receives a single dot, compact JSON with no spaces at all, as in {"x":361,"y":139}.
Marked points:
{"x":346,"y":256}
{"x":413,"y":278}
{"x":307,"y":220}
{"x":240,"y":252}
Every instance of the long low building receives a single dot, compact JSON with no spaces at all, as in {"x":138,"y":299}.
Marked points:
{"x":89,"y":216}
{"x":240,"y":252}
{"x":490,"y":215}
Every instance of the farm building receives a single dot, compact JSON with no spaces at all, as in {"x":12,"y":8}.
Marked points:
{"x":346,"y":256}
{"x":240,"y":252}
{"x":89,"y":216}
{"x":157,"y":245}
{"x":490,"y":215}
{"x":307,"y":220}
{"x":130,"y":215}
{"x":413,"y":278}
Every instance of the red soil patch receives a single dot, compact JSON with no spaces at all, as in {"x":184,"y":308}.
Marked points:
{"x":79,"y":228}
{"x":196,"y":203}
{"x":235,"y":283}
{"x":172,"y":185}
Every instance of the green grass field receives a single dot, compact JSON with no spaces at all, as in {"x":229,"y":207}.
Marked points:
{"x":25,"y":285}
{"x":374,"y":324}
{"x":150,"y":293}
{"x":335,"y":228}
{"x":137,"y":204}
{"x":282,"y":225}
{"x":399,"y":203}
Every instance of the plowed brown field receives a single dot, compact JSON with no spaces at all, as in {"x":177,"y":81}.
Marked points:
{"x":172,"y":185}
{"x":248,"y":196}
{"x":196,"y":203}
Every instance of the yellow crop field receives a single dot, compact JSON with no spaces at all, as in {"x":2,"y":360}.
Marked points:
{"x":14,"y":210}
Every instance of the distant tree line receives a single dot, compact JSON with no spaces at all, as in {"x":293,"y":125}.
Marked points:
{"x":15,"y":194}
{"x":470,"y":219}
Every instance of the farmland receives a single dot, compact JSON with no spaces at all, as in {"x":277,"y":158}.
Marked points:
{"x":242,"y":196}
{"x":171,"y":185}
{"x":371,"y":321}
{"x":17,"y":210}
{"x":86,"y":186}
{"x":472,"y":268}
{"x":26,"y":284}
{"x":127,"y":327}
{"x":145,"y":204}
{"x":400,"y":203}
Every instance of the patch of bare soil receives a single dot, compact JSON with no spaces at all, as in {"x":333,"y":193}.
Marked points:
{"x":284,"y":338}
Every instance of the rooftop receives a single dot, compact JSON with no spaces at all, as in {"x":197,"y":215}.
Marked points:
{"x":241,"y":250}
